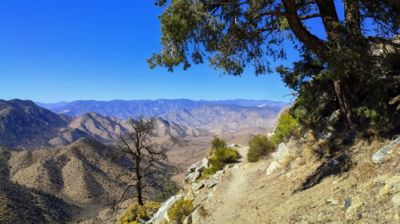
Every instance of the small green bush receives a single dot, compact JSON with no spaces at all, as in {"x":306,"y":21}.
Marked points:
{"x":260,"y":146}
{"x":221,"y":157}
{"x":179,"y":211}
{"x":137,"y":213}
{"x":217,"y":143}
{"x":287,"y":126}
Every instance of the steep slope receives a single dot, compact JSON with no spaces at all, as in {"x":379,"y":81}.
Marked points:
{"x":19,"y":204}
{"x":22,"y":124}
{"x":269,"y":191}
{"x":99,"y":127}
{"x":85,"y":174}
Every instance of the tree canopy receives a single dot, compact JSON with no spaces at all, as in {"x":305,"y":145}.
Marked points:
{"x":358,"y":54}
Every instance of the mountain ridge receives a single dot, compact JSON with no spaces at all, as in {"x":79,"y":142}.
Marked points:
{"x":218,"y":117}
{"x":79,"y":107}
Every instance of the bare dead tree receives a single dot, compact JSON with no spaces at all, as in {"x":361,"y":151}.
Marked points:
{"x":145,"y":154}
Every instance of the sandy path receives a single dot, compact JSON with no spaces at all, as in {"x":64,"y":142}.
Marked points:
{"x":228,"y":199}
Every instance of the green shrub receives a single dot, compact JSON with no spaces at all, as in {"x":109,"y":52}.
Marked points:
{"x":180,"y":210}
{"x":221,"y":157}
{"x":227,"y":155}
{"x":137,"y":213}
{"x":287,"y":126}
{"x":260,"y":146}
{"x":217,"y":143}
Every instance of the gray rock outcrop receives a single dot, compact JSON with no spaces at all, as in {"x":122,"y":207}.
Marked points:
{"x":385,"y":153}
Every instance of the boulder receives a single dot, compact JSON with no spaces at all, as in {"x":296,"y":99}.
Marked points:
{"x":192,"y":177}
{"x":272,"y":167}
{"x":198,"y":166}
{"x":211,"y":182}
{"x":219,"y":173}
{"x":284,"y":154}
{"x":198,"y":186}
{"x":386,"y":152}
{"x":203,"y":165}
{"x":281,"y":152}
{"x":193,"y":167}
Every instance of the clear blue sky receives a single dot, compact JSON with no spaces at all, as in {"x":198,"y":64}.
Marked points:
{"x":67,"y":50}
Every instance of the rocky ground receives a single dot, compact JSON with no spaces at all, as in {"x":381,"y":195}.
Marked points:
{"x":268,"y":191}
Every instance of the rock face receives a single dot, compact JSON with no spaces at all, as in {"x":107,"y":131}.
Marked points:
{"x":284,"y":154}
{"x":385,"y":153}
{"x":195,"y":170}
{"x":274,"y":165}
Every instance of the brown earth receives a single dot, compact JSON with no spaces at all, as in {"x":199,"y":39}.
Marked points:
{"x":246,"y":194}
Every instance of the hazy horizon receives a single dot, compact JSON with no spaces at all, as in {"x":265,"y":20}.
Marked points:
{"x":144,"y":99}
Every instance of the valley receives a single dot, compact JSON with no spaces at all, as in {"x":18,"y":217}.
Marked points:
{"x":72,"y":159}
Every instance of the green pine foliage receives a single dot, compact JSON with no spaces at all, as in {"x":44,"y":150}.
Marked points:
{"x":351,"y":71}
{"x":287,"y":126}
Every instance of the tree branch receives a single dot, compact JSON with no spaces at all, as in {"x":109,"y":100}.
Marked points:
{"x":329,"y":17}
{"x":311,"y":41}
{"x":310,"y":16}
{"x":120,"y":199}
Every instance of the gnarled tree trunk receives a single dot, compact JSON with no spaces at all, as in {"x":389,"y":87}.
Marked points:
{"x":344,"y":103}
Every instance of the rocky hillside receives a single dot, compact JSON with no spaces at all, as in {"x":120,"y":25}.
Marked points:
{"x":294,"y":185}
{"x":21,"y":204}
{"x":85,"y":174}
{"x":25,"y":125}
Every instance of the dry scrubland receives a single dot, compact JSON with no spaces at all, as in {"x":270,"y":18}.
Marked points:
{"x":245,"y":193}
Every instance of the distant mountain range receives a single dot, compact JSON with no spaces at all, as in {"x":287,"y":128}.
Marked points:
{"x":155,"y":108}
{"x":217,"y":117}
{"x":25,"y":125}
